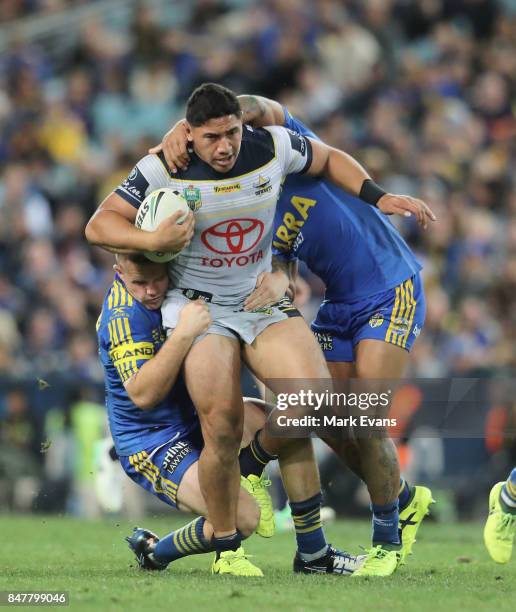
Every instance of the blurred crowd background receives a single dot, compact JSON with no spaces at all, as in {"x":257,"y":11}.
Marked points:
{"x":422,"y":92}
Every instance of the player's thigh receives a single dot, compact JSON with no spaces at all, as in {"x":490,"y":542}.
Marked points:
{"x":286,"y":349}
{"x":377,"y":359}
{"x":189,"y":496}
{"x":212,"y":376}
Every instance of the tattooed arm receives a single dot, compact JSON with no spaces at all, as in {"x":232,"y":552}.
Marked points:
{"x":271,"y":287}
{"x":290,"y":269}
{"x":259,"y":112}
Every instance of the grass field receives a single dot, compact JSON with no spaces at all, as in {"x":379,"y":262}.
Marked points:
{"x":450,"y":570}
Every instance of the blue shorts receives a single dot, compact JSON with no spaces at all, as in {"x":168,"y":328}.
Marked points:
{"x":160,"y":471}
{"x":395,"y":316}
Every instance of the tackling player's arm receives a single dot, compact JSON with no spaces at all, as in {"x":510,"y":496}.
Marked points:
{"x":292,"y":267}
{"x":259,"y":111}
{"x":272,"y":286}
{"x":154,"y":380}
{"x":337,"y":166}
{"x":289,"y":270}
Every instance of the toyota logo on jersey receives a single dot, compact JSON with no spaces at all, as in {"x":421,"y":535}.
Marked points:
{"x":233,"y":236}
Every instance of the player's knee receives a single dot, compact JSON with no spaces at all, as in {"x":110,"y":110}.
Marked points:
{"x":248,"y":517}
{"x":223,"y":431}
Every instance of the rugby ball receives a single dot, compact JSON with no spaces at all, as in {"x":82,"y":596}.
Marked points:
{"x":157,"y":206}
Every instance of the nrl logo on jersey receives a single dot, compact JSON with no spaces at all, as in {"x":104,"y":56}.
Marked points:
{"x":192,"y":196}
{"x":263,"y":185}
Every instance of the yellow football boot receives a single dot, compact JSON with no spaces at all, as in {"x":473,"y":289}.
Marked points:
{"x":412,"y":516}
{"x":379,"y":562}
{"x":499,"y":529}
{"x":257,"y":487}
{"x":235,"y":563}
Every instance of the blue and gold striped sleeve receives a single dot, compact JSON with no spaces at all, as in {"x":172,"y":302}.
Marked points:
{"x":127,"y":332}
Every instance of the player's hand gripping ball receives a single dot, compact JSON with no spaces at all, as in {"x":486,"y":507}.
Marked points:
{"x":158,"y":206}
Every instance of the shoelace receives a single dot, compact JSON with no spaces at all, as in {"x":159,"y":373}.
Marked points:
{"x":260,"y":485}
{"x":507,"y":526}
{"x":264,"y":482}
{"x":237,"y":558}
{"x":375,"y":555}
{"x":381,"y":553}
{"x":343,"y":561}
{"x":342,"y":554}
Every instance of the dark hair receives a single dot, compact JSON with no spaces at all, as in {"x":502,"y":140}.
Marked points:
{"x":211,"y":101}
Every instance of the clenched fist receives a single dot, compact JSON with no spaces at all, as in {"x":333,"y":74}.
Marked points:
{"x":194,"y":319}
{"x":172,"y":236}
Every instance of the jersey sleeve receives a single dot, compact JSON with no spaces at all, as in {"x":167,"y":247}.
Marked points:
{"x":149,"y":174}
{"x":292,"y":123}
{"x":293,"y":150}
{"x":127,"y":338}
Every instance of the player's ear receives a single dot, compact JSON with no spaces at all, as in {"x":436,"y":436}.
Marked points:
{"x":189,"y":135}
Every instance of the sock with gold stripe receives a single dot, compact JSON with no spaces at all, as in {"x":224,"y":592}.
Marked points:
{"x":253,"y":458}
{"x":188,"y":540}
{"x":508,"y":494}
{"x":311,"y":543}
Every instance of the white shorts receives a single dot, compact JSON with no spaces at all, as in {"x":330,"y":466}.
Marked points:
{"x":230,"y":321}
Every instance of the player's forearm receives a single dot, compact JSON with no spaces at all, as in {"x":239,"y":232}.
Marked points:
{"x":344,"y":171}
{"x":280,"y":265}
{"x":113,"y":232}
{"x":154,"y":380}
{"x":259,"y":112}
{"x":292,"y":275}
{"x":289,"y":268}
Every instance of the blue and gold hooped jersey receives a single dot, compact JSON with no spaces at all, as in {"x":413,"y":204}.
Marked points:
{"x":129,"y":335}
{"x":350,"y":245}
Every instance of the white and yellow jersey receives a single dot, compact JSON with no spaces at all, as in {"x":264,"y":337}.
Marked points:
{"x":234,"y":211}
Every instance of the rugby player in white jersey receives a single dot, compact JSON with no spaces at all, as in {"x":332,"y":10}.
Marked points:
{"x":232,"y":185}
{"x":361,"y":259}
